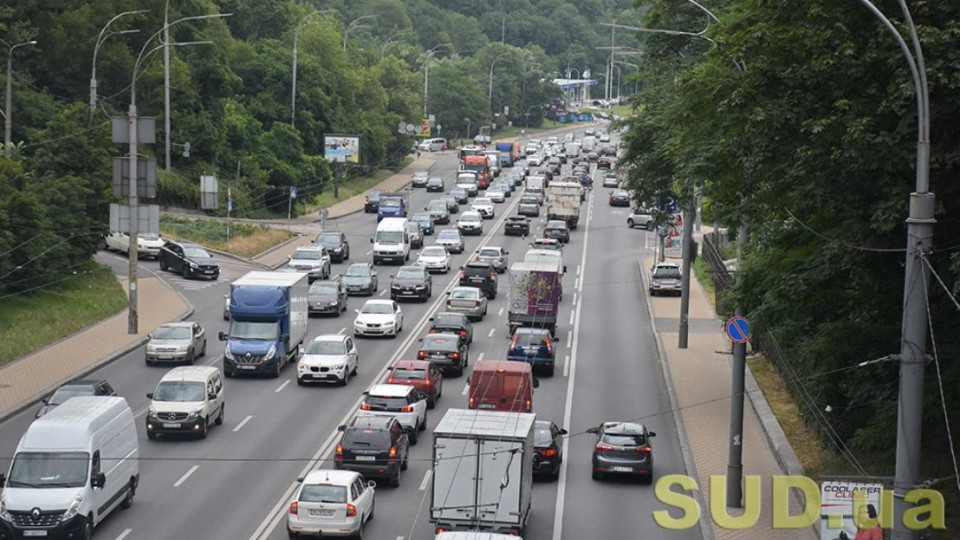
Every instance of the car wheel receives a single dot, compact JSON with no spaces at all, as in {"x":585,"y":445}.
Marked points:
{"x":163,"y":266}
{"x":203,"y":350}
{"x":229,"y":373}
{"x":423,"y":425}
{"x":276,"y":373}
{"x":87,"y":533}
{"x":405,"y":462}
{"x":292,"y":534}
{"x":345,"y":379}
{"x":206,"y":427}
{"x":412,"y":435}
{"x":647,"y":478}
{"x":147,"y":362}
{"x":127,"y":501}
{"x":151,"y":435}
{"x":431,"y":403}
{"x":394,"y":481}
{"x":219,"y":420}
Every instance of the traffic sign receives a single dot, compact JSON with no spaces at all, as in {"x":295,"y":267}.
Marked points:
{"x":738,"y":329}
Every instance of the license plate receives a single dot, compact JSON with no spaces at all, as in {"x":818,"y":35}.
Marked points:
{"x":171,"y":425}
{"x":476,"y":280}
{"x":246,"y":367}
{"x":208,"y":271}
{"x":35,"y":532}
{"x":322,"y":512}
{"x":621,"y":469}
{"x":487,"y":406}
{"x":366,"y":458}
{"x":161,"y":357}
{"x":439,"y":356}
{"x":407,"y":292}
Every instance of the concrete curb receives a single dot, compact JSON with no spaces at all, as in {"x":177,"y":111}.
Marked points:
{"x":271,"y":249}
{"x":110,"y":358}
{"x":776,"y":438}
{"x":706,"y":530}
{"x":236,"y":257}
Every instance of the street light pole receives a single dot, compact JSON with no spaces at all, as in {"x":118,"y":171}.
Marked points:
{"x":166,"y":84}
{"x":351,"y":26}
{"x":426,"y":74}
{"x":490,"y":88}
{"x":8,"y":108}
{"x":293,"y":76}
{"x":100,"y":39}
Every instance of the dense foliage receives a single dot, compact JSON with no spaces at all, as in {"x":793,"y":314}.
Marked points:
{"x":802,"y":121}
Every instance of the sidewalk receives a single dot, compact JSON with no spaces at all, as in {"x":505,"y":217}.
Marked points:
{"x":700,"y":379}
{"x":26,"y":380}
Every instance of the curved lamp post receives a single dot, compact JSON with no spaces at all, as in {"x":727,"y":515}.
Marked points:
{"x":296,"y":44}
{"x":8,"y":108}
{"x":100,"y":39}
{"x":352,"y":26}
{"x":490,"y":84}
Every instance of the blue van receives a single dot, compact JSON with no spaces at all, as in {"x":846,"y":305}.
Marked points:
{"x":391,"y":205}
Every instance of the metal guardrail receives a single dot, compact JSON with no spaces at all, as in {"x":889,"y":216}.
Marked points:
{"x":721,"y":276}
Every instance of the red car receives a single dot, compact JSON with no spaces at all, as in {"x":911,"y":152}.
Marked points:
{"x":423,"y":375}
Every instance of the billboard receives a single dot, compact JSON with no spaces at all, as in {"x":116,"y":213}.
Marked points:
{"x":837,"y":510}
{"x":341,"y":148}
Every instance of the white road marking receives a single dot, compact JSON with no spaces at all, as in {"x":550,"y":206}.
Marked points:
{"x":425,"y":481}
{"x":492,"y":330}
{"x":466,"y":388}
{"x":383,"y":292}
{"x":500,"y":313}
{"x":242,"y":423}
{"x":342,"y":330}
{"x":570,"y":332}
{"x":480,"y":357}
{"x":576,"y":283}
{"x":572,"y":313}
{"x":566,"y":365}
{"x":282,"y":386}
{"x":575,"y":298}
{"x":369,"y":252}
{"x":124,"y":534}
{"x":186,"y":475}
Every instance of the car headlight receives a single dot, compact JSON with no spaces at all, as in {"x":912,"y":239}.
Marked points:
{"x":4,"y":514}
{"x":228,"y":355}
{"x":182,"y":348}
{"x":389,"y":323}
{"x":338,"y":367}
{"x":302,"y":367}
{"x":194,"y":414}
{"x":151,"y":412}
{"x":193,"y":265}
{"x":359,"y":323}
{"x":420,"y":287}
{"x":332,"y":302}
{"x":271,"y":352}
{"x":151,"y":348}
{"x":73,"y":509}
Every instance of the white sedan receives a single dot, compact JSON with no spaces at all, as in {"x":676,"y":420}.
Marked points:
{"x":484,"y":206}
{"x":378,"y":318}
{"x":148,"y":244}
{"x":434,"y":259}
{"x":336,"y":503}
{"x":330,"y":357}
{"x":470,"y":223}
{"x":495,"y":194}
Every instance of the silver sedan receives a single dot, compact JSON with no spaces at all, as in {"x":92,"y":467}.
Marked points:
{"x":467,"y":300}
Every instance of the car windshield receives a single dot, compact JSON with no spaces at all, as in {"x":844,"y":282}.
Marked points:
{"x":358,"y":271}
{"x":381,"y":403}
{"x":438,"y":205}
{"x":323,"y":493}
{"x":179,"y":391}
{"x":439,"y":343}
{"x":421,"y":216}
{"x":556,"y":225}
{"x":325,"y":346}
{"x":448,"y":320}
{"x":307,"y":254}
{"x":195,"y":252}
{"x":667,"y":272}
{"x":489,"y":252}
{"x":374,"y":196}
{"x":49,"y":470}
{"x":448,"y":235}
{"x":329,"y":239}
{"x":409,"y":373}
{"x":420,"y":174}
{"x":172,"y":332}
{"x":525,"y":339}
{"x":255,"y":330}
{"x":323,"y":289}
{"x":482,"y":201}
{"x":66,"y":392}
{"x":391,"y":201}
{"x":458,"y":192}
{"x":464,"y":293}
{"x":413,"y":228}
{"x":377,"y":309}
{"x":389,"y":237}
{"x":410,"y":272}
{"x":371,"y":438}
{"x":528,"y":200}
{"x":624,"y":439}
{"x":433,"y":251}
{"x":619,"y":193}
{"x":470,"y":217}
{"x":542,"y":437}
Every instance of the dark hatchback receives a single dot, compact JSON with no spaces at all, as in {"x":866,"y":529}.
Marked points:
{"x":619,"y":197}
{"x":446,"y":322}
{"x":558,"y":230}
{"x":548,"y":448}
{"x":413,"y":282}
{"x":517,"y":226}
{"x":336,"y":243}
{"x":426,"y":222}
{"x":534,"y":346}
{"x":374,"y":446}
{"x":447,"y":351}
{"x":328,"y":297}
{"x":188,"y":260}
{"x":482,"y":275}
{"x":622,"y":448}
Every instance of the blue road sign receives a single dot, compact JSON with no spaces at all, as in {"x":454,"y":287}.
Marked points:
{"x":293,"y":192}
{"x":738,"y":329}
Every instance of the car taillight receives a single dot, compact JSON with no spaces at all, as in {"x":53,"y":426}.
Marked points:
{"x":351,"y":510}
{"x":408,"y":408}
{"x":493,"y":275}
{"x":422,"y":354}
{"x":513,"y":343}
{"x":455,"y":356}
{"x":449,"y":302}
{"x":645,"y":449}
{"x":294,"y":508}
{"x":472,"y":401}
{"x":476,"y":303}
{"x":601,"y":448}
{"x":549,"y":452}
{"x":393,"y":454}
{"x":339,"y":452}
{"x":549,"y":346}
{"x":433,"y":330}
{"x":364,"y":407}
{"x":463,"y":273}
{"x":529,"y":405}
{"x":463,"y":333}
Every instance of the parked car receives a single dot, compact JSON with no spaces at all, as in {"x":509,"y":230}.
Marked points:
{"x":470,"y":223}
{"x":378,"y":318}
{"x":336,"y":243}
{"x":411,"y":282}
{"x":470,"y":301}
{"x":374,"y":446}
{"x":622,"y":448}
{"x":361,"y":278}
{"x":426,"y":222}
{"x":75,"y":388}
{"x":534,"y":346}
{"x":665,"y":277}
{"x":451,"y":240}
{"x":148,"y":244}
{"x":495,"y":255}
{"x":176,"y":342}
{"x":331,"y":500}
{"x":328,"y":358}
{"x":327,"y":297}
{"x":449,"y":322}
{"x":423,"y":375}
{"x":482,"y":275}
{"x":434,"y":259}
{"x":403,"y":402}
{"x":312,"y":260}
{"x":557,"y":229}
{"x":188,"y":260}
{"x":447,"y":351}
{"x":435,"y":183}
{"x":371,"y":203}
{"x":548,"y":445}
{"x":415,"y":233}
{"x":517,"y":226}
{"x":420,"y":179}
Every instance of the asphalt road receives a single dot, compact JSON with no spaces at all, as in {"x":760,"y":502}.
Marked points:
{"x":236,"y":484}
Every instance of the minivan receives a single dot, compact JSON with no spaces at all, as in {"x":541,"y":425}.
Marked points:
{"x":186,"y":400}
{"x":433,"y":145}
{"x":72,"y":468}
{"x":502,"y":385}
{"x":391,"y":242}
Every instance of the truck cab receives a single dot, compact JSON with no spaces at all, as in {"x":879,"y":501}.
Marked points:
{"x":479,"y":165}
{"x":391,"y":205}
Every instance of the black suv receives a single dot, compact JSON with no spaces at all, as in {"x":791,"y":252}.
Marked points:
{"x":373,"y":446}
{"x":482,"y":275}
{"x":517,"y":225}
{"x":336,"y":244}
{"x":188,"y":260}
{"x":411,"y":282}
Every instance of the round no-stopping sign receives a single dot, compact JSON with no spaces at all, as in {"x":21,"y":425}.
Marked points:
{"x":738,"y":329}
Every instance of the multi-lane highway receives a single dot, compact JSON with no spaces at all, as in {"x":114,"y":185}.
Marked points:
{"x":236,"y":484}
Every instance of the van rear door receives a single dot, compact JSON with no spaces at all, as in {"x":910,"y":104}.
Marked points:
{"x":486,"y":389}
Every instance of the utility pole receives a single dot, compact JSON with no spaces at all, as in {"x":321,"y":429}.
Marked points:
{"x":426,"y":83}
{"x":687,"y":245}
{"x":735,"y":448}
{"x":166,"y":84}
{"x":132,"y":236}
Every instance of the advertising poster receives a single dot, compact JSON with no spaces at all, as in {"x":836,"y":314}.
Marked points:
{"x":836,"y":499}
{"x":341,"y":148}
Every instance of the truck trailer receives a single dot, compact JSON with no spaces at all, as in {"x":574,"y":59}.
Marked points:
{"x":534,"y":297}
{"x":563,"y":202}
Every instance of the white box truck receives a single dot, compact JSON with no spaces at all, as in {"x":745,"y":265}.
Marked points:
{"x":73,"y":466}
{"x":482,"y":471}
{"x":563,"y":202}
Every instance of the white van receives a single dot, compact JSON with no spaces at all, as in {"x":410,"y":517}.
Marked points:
{"x":392,"y":242}
{"x":493,"y":161}
{"x":433,"y":145}
{"x":186,"y":400}
{"x":588,"y":144}
{"x":72,"y":467}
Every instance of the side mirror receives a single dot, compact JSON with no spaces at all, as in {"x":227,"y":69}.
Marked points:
{"x":355,"y":310}
{"x":556,"y":339}
{"x":365,"y":393}
{"x":651,"y":434}
{"x":341,"y":427}
{"x":285,"y":338}
{"x":371,"y":484}
{"x":299,"y":479}
{"x":212,"y":395}
{"x":564,"y":269}
{"x":391,"y":276}
{"x":3,"y":479}
{"x":431,"y":318}
{"x":563,"y":431}
{"x":536,"y":382}
{"x":371,"y":240}
{"x":46,"y":400}
{"x":593,"y":430}
{"x":150,"y":395}
{"x":98,"y":480}
{"x":506,"y":252}
{"x":468,"y":380}
{"x":150,"y":335}
{"x":222,"y":335}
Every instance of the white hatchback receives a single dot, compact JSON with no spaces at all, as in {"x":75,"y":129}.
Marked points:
{"x":378,"y":318}
{"x":434,"y":259}
{"x":495,"y":195}
{"x":403,"y":402}
{"x":335,"y":503}
{"x":470,"y":223}
{"x":330,"y":357}
{"x":484,"y":206}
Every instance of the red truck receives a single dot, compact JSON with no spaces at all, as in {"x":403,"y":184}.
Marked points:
{"x":479,"y":165}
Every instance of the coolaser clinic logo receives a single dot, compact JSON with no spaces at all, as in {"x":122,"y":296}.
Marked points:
{"x":843,"y":508}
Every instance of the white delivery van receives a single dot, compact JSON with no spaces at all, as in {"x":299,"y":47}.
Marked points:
{"x":493,"y":159}
{"x":391,"y":242}
{"x":589,"y":144}
{"x":72,"y":467}
{"x":187,"y":400}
